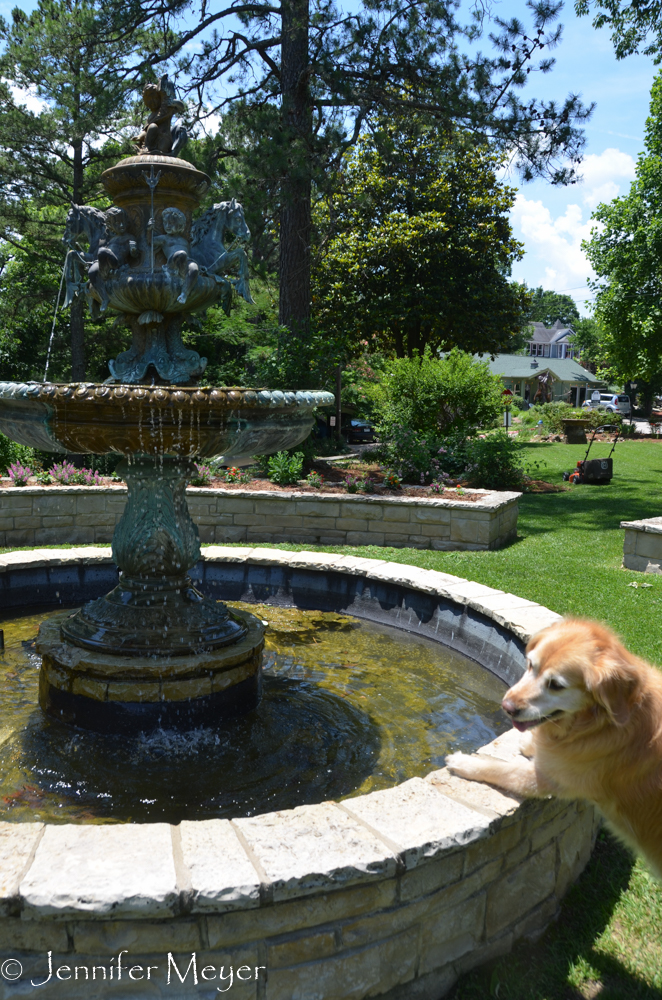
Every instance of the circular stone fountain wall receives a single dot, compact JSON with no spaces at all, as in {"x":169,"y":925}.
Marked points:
{"x":394,"y":893}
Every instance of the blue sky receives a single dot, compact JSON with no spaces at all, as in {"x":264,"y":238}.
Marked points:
{"x":551,"y":222}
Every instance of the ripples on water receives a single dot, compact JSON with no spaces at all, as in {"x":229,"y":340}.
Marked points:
{"x":348,"y":707}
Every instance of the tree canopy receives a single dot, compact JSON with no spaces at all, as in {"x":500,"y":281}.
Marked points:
{"x":547,"y":307}
{"x":626,"y":254}
{"x":421,"y":246}
{"x":635,"y":26}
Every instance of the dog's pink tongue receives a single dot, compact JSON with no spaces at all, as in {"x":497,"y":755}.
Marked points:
{"x":522,"y":726}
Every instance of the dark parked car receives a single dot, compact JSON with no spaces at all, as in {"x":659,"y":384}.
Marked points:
{"x":359,"y":432}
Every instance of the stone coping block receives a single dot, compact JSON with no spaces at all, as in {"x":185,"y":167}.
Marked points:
{"x":393,"y":893}
{"x":642,"y":545}
{"x":124,"y":870}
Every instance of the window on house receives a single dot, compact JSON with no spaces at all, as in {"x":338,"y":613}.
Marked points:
{"x":546,"y":351}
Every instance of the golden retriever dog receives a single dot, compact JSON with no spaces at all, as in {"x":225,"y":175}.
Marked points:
{"x":592,"y":714}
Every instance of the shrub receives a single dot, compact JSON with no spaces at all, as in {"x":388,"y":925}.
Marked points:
{"x":285,"y":469}
{"x":410,"y":454}
{"x":489,"y":462}
{"x":495,"y":462}
{"x":517,"y":403}
{"x":202,"y":476}
{"x":19,"y":474}
{"x":315,"y":479}
{"x":431,"y":395}
{"x":392,"y":481}
{"x":359,"y":484}
{"x":235,"y":475}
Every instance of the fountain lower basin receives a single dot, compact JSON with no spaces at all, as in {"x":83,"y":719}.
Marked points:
{"x":392,"y":893}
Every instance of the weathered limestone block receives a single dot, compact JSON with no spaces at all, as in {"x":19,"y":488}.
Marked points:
{"x":370,"y":971}
{"x":300,"y":913}
{"x":18,"y":841}
{"x":452,"y":934}
{"x":123,"y":870}
{"x":312,"y":848}
{"x":532,"y":881}
{"x":222,"y":876}
{"x":107,"y":937}
{"x":419,"y":820}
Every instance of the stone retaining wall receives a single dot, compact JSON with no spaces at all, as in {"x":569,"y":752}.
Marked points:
{"x":87,"y":515}
{"x":395,"y":893}
{"x":642,"y":545}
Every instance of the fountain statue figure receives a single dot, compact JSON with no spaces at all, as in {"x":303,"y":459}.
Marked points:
{"x":180,"y":656}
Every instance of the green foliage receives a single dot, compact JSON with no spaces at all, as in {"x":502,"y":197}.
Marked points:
{"x":626,"y":254}
{"x":52,"y":157}
{"x":491,"y":461}
{"x":433,"y":395}
{"x":548,"y":307}
{"x":305,"y":361}
{"x":285,"y":469}
{"x":315,"y":479}
{"x":360,"y":381}
{"x":10,"y":452}
{"x":421,"y":245}
{"x":203,"y":475}
{"x":495,"y":462}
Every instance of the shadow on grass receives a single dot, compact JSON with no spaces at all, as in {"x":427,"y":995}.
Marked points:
{"x":594,"y":508}
{"x":541,"y":971}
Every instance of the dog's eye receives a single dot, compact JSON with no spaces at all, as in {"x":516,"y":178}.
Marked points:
{"x":554,"y":685}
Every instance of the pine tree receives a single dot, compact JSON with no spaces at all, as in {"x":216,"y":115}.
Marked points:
{"x":52,"y":157}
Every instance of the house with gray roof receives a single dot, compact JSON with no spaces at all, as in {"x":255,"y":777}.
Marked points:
{"x":552,"y":342}
{"x":521,"y":374}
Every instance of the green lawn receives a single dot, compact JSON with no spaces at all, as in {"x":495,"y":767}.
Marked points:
{"x":608,"y":940}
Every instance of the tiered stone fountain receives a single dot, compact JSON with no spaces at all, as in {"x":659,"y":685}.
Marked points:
{"x":175,"y":656}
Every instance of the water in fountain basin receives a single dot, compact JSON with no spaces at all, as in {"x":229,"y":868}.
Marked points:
{"x":348,"y":707}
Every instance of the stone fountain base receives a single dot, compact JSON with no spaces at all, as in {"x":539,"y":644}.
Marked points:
{"x":107,"y":693}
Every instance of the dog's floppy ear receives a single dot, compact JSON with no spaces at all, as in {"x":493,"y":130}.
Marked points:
{"x":614,"y":686}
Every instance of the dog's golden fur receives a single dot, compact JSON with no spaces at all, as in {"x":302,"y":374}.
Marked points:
{"x":595,"y":715}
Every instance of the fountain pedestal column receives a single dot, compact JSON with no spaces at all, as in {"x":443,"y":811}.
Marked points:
{"x":154,"y":650}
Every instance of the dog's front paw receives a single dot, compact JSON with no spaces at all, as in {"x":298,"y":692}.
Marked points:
{"x":463,"y":765}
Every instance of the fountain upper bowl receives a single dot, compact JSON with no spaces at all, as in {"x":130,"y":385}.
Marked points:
{"x":186,"y":421}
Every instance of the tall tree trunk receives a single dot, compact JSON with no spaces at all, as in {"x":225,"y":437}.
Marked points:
{"x":77,"y":318}
{"x":295,"y":224}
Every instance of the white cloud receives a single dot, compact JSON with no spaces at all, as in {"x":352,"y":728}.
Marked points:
{"x":602,"y":174}
{"x":554,"y":258}
{"x":27,"y":98}
{"x":555,"y":243}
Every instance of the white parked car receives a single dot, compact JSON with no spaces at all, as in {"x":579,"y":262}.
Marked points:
{"x":609,"y":401}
